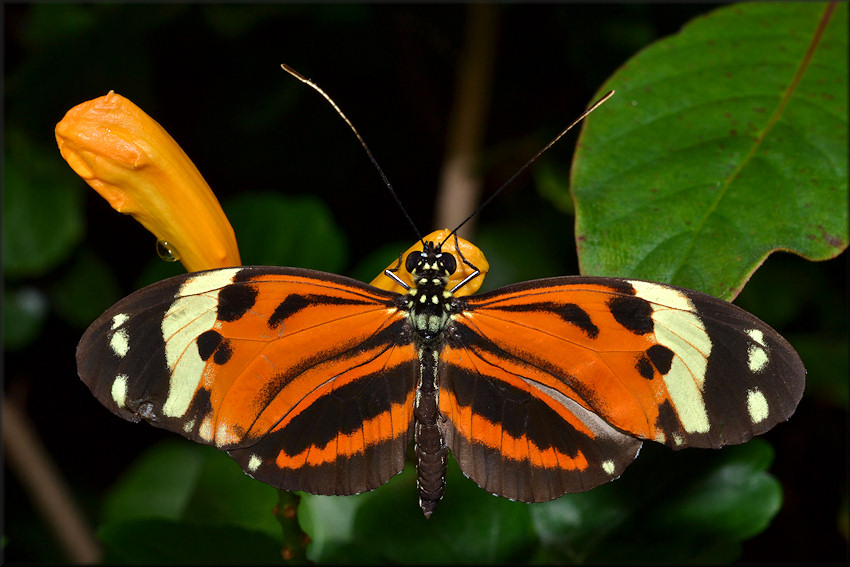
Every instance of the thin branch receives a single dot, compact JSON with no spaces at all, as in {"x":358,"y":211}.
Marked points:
{"x":460,"y":184}
{"x":39,"y":476}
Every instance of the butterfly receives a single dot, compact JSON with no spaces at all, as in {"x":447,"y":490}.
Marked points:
{"x":317,"y":382}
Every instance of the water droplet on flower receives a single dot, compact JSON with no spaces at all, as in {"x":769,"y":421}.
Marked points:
{"x":166,"y":251}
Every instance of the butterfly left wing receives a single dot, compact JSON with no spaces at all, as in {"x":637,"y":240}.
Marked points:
{"x":604,"y":358}
{"x":304,"y":377}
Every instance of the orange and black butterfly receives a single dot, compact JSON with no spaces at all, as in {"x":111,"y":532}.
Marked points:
{"x":317,"y":382}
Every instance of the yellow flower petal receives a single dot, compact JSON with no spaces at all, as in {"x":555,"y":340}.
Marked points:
{"x":471,"y":252}
{"x":140,"y":170}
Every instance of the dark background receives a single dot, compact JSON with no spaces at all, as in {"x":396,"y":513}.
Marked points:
{"x":210,"y":75}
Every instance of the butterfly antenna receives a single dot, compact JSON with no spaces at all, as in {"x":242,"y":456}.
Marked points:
{"x":584,"y":114}
{"x":339,"y":111}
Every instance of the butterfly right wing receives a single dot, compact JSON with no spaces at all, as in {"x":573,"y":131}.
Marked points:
{"x":307,"y":379}
{"x":549,"y":385}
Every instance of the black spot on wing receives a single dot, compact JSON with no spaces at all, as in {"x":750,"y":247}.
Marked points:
{"x":212,"y":344}
{"x":223,"y":353}
{"x":644,"y":367}
{"x":235,"y":300}
{"x":668,"y":422}
{"x":199,"y":409}
{"x":661,"y":357}
{"x":208,"y":342}
{"x":633,"y":313}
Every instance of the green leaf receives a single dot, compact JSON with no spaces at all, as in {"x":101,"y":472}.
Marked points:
{"x":278,"y":230}
{"x":711,"y":155}
{"x":42,"y":209}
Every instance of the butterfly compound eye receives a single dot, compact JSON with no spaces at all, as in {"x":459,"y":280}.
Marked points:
{"x":412,"y":261}
{"x":449,"y":263}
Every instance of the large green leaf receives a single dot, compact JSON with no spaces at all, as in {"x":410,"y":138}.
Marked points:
{"x":723,"y":143}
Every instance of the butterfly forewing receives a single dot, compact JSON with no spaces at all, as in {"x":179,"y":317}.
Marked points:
{"x":654,"y":361}
{"x":295,"y":372}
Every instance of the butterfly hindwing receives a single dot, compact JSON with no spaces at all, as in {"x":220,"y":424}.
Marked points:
{"x":651,"y":360}
{"x":306,"y":378}
{"x":517,"y":438}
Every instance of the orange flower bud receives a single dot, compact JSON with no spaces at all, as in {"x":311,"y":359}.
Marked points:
{"x":470,"y":252}
{"x":127,"y":157}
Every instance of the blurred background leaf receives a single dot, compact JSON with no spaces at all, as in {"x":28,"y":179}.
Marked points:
{"x":181,"y":502}
{"x":42,"y":209}
{"x":269,"y":146}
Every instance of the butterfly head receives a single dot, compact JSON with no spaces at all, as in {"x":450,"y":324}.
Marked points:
{"x":430,"y":267}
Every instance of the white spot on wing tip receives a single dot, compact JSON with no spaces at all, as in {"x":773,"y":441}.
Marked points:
{"x":608,"y":467}
{"x":224,"y":435}
{"x":120,"y":342}
{"x":119,"y":320}
{"x":254,"y":463}
{"x":119,"y":390}
{"x":757,"y":336}
{"x":206,"y":430}
{"x":757,"y":359}
{"x":757,"y":405}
